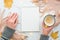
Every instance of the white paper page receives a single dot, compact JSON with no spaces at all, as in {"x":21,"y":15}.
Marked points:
{"x":30,"y":19}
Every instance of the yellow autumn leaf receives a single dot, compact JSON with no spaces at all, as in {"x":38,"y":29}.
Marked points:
{"x":54,"y":35}
{"x":8,"y":3}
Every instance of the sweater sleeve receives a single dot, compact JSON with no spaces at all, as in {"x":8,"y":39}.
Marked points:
{"x":7,"y":33}
{"x":43,"y":37}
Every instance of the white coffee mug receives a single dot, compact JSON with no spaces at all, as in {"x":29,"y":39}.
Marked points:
{"x":49,"y":20}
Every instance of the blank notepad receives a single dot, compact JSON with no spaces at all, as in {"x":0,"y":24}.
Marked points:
{"x":30,"y":19}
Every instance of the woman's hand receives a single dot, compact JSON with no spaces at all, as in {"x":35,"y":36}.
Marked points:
{"x":46,"y":31}
{"x":12,"y":20}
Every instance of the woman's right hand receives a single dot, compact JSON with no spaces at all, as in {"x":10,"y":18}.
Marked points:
{"x":46,"y":31}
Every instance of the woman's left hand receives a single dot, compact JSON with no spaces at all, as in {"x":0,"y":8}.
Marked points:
{"x":12,"y":20}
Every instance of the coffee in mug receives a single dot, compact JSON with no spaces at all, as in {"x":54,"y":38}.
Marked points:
{"x":49,"y":20}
